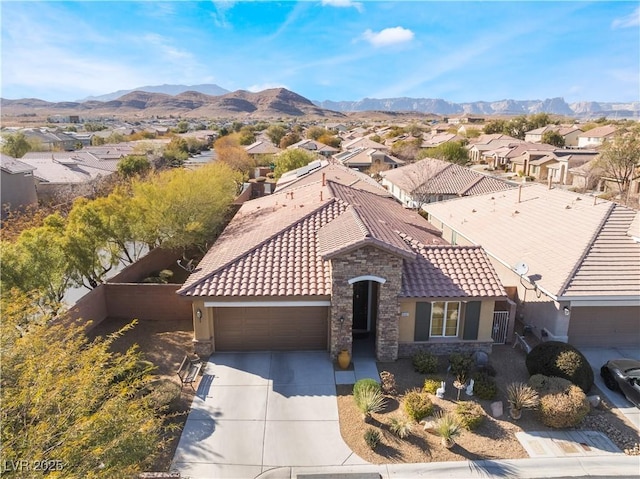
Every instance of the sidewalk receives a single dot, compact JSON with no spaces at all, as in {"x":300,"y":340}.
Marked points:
{"x":602,"y":466}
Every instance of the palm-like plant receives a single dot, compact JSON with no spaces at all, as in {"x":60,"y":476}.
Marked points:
{"x":448,"y":427}
{"x":521,"y":396}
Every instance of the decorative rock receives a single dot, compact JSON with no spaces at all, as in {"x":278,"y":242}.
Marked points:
{"x":428,"y":425}
{"x":594,"y":400}
{"x":497,"y":409}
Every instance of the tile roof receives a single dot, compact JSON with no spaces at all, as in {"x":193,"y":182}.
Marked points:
{"x":366,"y":157}
{"x":611,"y":265}
{"x":552,"y":231}
{"x":67,"y":167}
{"x":262,"y":148}
{"x":599,"y":132}
{"x":441,"y":177}
{"x":450,"y":272}
{"x":280,"y":245}
{"x":363,"y":142}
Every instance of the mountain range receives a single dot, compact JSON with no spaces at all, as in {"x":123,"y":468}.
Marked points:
{"x":212,"y":100}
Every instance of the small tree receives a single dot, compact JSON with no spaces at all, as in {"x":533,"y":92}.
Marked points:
{"x":553,"y":138}
{"x":620,"y":158}
{"x":16,"y":145}
{"x":132,"y":165}
{"x":276,"y":133}
{"x":291,"y":159}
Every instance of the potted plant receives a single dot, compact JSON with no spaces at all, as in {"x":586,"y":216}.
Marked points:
{"x":521,"y":396}
{"x":344,"y":357}
{"x":448,"y":428}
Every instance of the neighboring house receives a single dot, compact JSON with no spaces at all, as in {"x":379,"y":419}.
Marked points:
{"x":596,"y":136}
{"x":431,"y":141}
{"x":314,"y":146}
{"x":520,"y":156}
{"x":569,"y":133}
{"x":545,"y":162}
{"x":262,"y":147}
{"x":52,"y":140}
{"x":485,"y":143}
{"x":573,"y":259}
{"x":67,"y":174}
{"x":337,"y":127}
{"x":18,"y":187}
{"x":366,"y":158}
{"x":363,"y":142}
{"x":331,"y":258}
{"x":465,"y":119}
{"x":432,"y":180}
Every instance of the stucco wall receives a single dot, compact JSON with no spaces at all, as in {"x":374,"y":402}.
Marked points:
{"x":17,"y":190}
{"x":146,"y":301}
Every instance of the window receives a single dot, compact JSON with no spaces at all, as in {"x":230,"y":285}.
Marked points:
{"x":445,"y":318}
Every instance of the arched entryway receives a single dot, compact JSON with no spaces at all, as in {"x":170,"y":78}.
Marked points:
{"x":365,"y":312}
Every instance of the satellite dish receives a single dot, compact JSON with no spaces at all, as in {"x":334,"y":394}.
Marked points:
{"x":521,"y":268}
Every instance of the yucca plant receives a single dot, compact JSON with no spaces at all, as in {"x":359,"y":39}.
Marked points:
{"x":400,"y":426}
{"x":448,"y":427}
{"x":370,"y":400}
{"x":521,"y":396}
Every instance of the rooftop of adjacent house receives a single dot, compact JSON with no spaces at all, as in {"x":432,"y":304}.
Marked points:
{"x":313,"y":145}
{"x":280,"y":245}
{"x":66,"y":167}
{"x":366,"y":157}
{"x":14,"y":166}
{"x":363,"y":142}
{"x":261,"y":147}
{"x":441,"y":177}
{"x":559,"y":234}
{"x":599,"y":132}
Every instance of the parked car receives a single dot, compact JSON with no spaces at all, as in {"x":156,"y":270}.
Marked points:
{"x":623,"y":375}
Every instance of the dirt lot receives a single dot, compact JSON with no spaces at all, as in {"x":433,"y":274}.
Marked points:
{"x":494,"y":439}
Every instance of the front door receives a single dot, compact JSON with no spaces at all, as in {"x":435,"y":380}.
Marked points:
{"x":365,"y":303}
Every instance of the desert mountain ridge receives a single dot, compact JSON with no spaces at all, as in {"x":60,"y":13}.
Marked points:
{"x":212,"y":100}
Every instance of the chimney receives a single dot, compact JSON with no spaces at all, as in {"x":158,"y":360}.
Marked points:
{"x":324,"y":179}
{"x":519,"y":193}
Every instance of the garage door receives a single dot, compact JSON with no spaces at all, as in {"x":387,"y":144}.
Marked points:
{"x":606,"y":327}
{"x":270,"y":329}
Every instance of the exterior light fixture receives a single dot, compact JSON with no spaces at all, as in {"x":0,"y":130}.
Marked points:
{"x":199,"y":314}
{"x":566,"y":310}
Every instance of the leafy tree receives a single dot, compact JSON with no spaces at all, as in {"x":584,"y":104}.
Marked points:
{"x":132,"y":165}
{"x":330,"y":140}
{"x":553,"y":138}
{"x":289,"y":139}
{"x":451,"y":151}
{"x":495,"y":127}
{"x":292,"y":159}
{"x":539,"y":120}
{"x":16,"y":145}
{"x":182,"y":126}
{"x":246,"y":136}
{"x":229,"y":151}
{"x":176,"y":152}
{"x":276,"y":133}
{"x":91,"y":127}
{"x":38,"y":261}
{"x":620,"y":158}
{"x":68,"y":399}
{"x":517,"y":127}
{"x":184,"y":208}
{"x":407,"y":150}
{"x":315,"y":132}
{"x":376,"y":138}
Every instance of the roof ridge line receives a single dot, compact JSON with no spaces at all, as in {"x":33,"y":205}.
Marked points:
{"x":585,"y":252}
{"x":260,"y":244}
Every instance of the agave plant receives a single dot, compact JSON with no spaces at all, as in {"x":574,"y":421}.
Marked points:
{"x":370,"y":400}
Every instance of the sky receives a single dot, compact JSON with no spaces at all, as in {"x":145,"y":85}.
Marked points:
{"x":325,"y":49}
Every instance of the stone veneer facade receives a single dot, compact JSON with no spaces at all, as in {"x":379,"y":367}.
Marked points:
{"x":366,"y":261}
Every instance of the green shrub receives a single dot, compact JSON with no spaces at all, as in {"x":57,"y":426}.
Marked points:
{"x":470,"y":414}
{"x":400,"y":426}
{"x":447,"y":426}
{"x":484,"y":386}
{"x":366,"y":383}
{"x":554,"y":358}
{"x":417,"y":405}
{"x":521,"y":396}
{"x":425,"y":362}
{"x":460,"y":365}
{"x":565,"y":408}
{"x":431,"y":384}
{"x":372,"y":438}
{"x":548,"y":384}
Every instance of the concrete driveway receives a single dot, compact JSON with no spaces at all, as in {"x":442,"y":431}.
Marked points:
{"x":257,"y":411}
{"x":597,"y":357}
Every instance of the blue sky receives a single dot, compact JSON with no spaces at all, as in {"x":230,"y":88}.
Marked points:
{"x":326,"y":49}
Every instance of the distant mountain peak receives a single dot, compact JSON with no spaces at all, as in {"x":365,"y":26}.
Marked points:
{"x":173,"y":90}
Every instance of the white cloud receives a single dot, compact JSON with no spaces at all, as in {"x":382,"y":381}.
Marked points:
{"x":165,"y":48}
{"x":343,"y":4}
{"x":631,"y":20}
{"x":388,"y":36}
{"x":266,"y":86}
